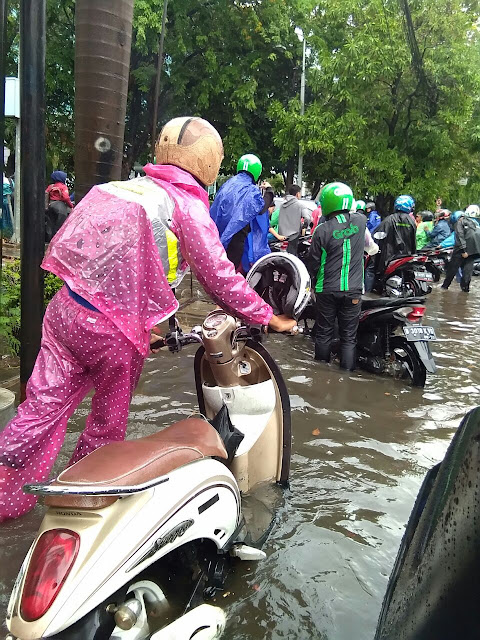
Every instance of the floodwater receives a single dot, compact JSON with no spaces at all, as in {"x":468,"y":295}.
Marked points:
{"x":361,"y":446}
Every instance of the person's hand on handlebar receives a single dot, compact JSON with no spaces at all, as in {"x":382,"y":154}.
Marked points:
{"x":282,"y":323}
{"x":156,"y":338}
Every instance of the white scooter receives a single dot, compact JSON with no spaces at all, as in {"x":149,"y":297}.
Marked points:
{"x":139,"y":533}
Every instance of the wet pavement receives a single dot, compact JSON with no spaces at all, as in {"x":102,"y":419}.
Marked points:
{"x":361,"y":447}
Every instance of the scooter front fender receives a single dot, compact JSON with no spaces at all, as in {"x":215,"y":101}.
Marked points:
{"x":423,"y":350}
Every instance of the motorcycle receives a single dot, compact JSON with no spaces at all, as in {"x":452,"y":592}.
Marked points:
{"x":278,"y":245}
{"x":391,"y":338}
{"x":304,"y":247}
{"x":139,"y":534}
{"x":437,"y":260}
{"x":404,"y":277}
{"x":476,"y":268}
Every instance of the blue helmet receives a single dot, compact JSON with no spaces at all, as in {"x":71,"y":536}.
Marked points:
{"x":456,"y":215}
{"x":406,"y":204}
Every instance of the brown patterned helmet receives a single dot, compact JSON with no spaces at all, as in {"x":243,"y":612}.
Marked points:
{"x":192,"y":144}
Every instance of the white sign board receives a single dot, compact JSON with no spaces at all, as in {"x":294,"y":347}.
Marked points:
{"x":12,"y":98}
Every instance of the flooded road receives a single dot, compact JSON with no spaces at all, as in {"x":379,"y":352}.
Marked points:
{"x":361,"y":447}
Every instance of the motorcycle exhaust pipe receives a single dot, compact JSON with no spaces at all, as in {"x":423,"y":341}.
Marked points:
{"x":205,"y":622}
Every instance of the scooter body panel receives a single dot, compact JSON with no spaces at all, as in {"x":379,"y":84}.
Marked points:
{"x":258,"y":405}
{"x":200,"y":501}
{"x":194,"y":503}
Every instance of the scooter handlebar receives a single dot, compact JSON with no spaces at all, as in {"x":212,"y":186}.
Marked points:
{"x":176,"y":340}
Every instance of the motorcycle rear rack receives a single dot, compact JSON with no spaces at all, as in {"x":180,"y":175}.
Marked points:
{"x":47,"y":489}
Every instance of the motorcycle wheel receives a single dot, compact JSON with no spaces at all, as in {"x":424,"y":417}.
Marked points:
{"x":99,"y":624}
{"x":413,"y":288}
{"x":413,"y":367}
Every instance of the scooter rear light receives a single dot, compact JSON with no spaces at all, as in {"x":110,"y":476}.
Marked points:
{"x":416,"y":314}
{"x":49,"y":566}
{"x":402,"y":312}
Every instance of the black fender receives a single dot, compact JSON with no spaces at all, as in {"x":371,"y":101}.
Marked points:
{"x":423,"y":349}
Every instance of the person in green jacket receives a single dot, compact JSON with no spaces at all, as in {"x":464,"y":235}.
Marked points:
{"x":424,"y":227}
{"x":273,"y":234}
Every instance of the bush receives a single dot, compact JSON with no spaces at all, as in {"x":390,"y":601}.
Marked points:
{"x":10,"y":303}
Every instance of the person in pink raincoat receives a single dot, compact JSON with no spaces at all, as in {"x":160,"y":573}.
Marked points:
{"x":119,"y":254}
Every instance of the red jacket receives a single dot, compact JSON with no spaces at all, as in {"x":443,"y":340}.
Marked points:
{"x":59,"y":191}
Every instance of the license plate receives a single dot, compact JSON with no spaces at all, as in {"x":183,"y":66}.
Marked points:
{"x":423,"y":275}
{"x":438,"y":261}
{"x":416,"y":332}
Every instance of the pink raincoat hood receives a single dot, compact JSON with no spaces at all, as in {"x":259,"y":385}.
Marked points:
{"x":166,"y":173}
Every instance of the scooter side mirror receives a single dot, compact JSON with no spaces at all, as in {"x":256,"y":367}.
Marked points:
{"x":380,"y":235}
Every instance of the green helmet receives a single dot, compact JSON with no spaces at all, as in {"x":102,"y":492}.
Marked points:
{"x":251,"y":164}
{"x":336,"y":196}
{"x":360,"y":205}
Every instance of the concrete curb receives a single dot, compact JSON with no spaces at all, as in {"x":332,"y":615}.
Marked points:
{"x":7,"y":407}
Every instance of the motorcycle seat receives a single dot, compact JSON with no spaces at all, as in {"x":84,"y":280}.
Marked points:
{"x":133,"y":462}
{"x":375,"y":303}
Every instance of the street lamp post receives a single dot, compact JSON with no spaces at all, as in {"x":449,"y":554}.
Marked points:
{"x":157,"y":80}
{"x":302,"y":111}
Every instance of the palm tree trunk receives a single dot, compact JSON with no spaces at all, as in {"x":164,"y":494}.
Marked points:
{"x":103,"y":36}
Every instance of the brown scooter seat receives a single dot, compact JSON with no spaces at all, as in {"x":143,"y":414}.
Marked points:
{"x":133,"y":462}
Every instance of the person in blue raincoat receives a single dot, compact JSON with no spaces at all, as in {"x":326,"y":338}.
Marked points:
{"x":441,"y":231}
{"x":256,"y":245}
{"x":236,"y":205}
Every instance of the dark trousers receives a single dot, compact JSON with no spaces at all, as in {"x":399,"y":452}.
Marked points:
{"x":369,"y":275}
{"x":456,"y":262}
{"x":345,"y":307}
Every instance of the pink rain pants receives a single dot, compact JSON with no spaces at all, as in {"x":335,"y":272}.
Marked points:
{"x":81,"y":350}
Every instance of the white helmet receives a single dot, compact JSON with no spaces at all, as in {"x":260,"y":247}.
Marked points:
{"x":473,"y":211}
{"x":282,"y":280}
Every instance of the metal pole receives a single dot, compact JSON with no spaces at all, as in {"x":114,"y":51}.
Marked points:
{"x":3,"y":34}
{"x":18,"y":183}
{"x":157,"y":80}
{"x":32,"y":122}
{"x":302,"y":111}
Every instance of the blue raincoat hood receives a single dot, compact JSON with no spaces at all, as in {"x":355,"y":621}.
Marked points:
{"x":236,"y":204}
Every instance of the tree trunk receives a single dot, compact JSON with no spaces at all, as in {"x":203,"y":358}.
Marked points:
{"x":384,"y":203}
{"x":290,"y":174}
{"x":103,"y":37}
{"x":316,"y":189}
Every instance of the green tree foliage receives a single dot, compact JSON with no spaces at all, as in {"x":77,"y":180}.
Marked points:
{"x":59,"y":79}
{"x":10,"y":303}
{"x":225,"y":61}
{"x":393,"y":99}
{"x":392,"y":88}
